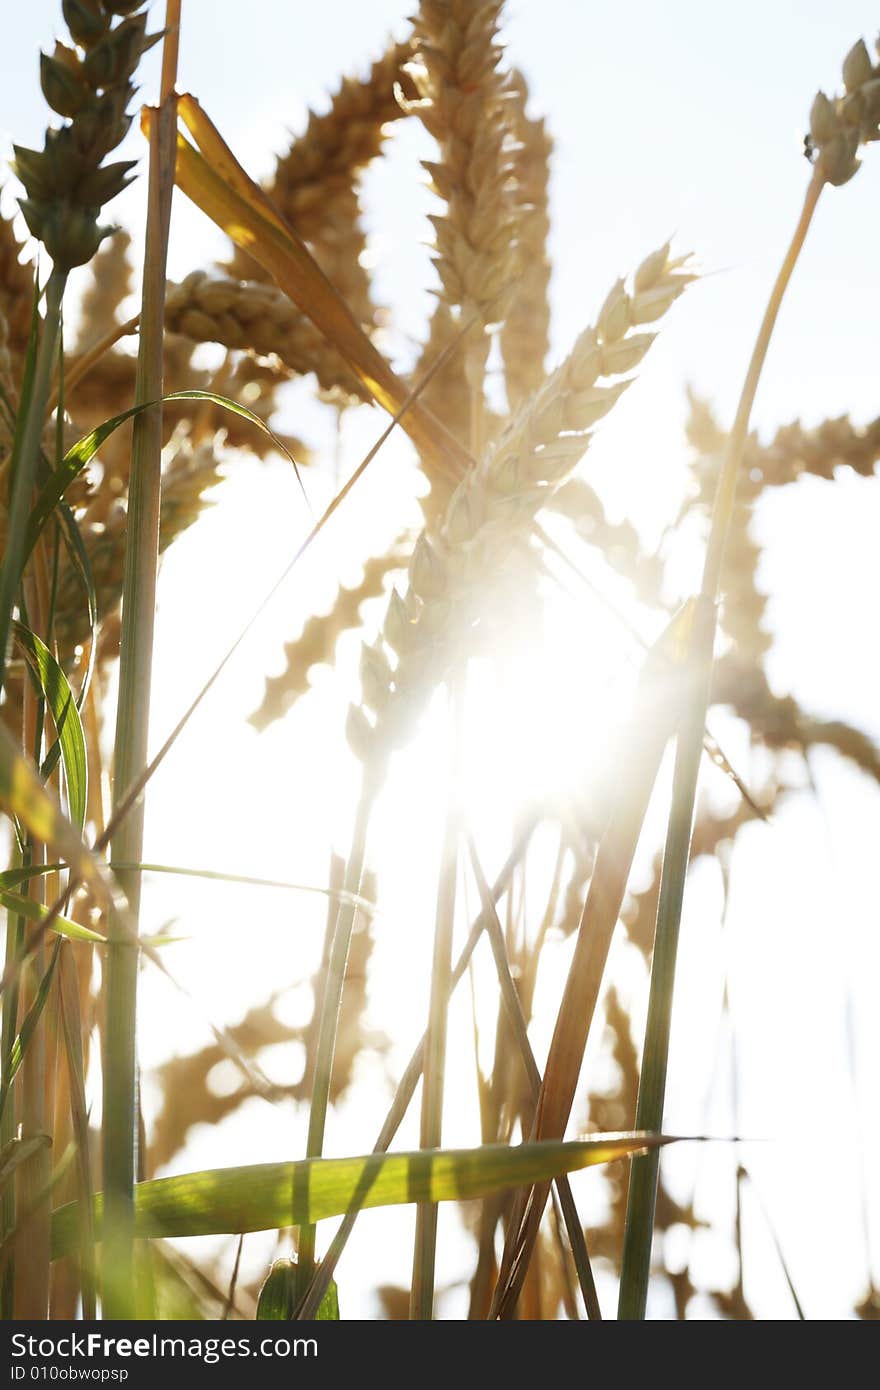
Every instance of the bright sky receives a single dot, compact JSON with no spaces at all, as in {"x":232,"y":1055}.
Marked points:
{"x":668,"y":119}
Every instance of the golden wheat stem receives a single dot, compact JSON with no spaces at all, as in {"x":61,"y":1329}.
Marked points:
{"x":726,"y":489}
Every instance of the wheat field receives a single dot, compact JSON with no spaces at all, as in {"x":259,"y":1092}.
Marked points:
{"x":440,"y":753}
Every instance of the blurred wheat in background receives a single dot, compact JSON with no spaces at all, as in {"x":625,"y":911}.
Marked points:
{"x":432,"y":677}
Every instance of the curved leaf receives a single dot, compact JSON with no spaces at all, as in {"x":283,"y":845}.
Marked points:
{"x":84,"y":450}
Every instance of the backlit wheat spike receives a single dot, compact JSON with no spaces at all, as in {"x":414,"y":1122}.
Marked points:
{"x":314,"y":182}
{"x":779,"y":721}
{"x":711,"y":830}
{"x":744,"y":607}
{"x":317,"y":641}
{"x":258,"y":317}
{"x":447,"y":395}
{"x":525,"y":333}
{"x":618,"y":541}
{"x":341,"y":252}
{"x":324,"y":161}
{"x":793,"y":452}
{"x":465,"y":105}
{"x":552,"y":429}
{"x":495,"y":504}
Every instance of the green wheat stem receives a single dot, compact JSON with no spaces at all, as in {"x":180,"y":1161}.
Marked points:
{"x":421,"y":1304}
{"x":331,"y":1002}
{"x":641,"y":1201}
{"x":119,"y":1133}
{"x":406,"y":1088}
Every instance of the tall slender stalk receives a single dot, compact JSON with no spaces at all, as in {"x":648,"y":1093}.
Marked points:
{"x":330,"y":1006}
{"x":516,"y":1021}
{"x":421,"y":1303}
{"x":132,"y":721}
{"x":642,"y":1197}
{"x":309,"y":1305}
{"x":32,"y":1281}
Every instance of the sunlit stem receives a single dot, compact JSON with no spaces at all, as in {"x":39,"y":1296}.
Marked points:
{"x":516,"y":1020}
{"x":642,"y":1197}
{"x":331,"y":1002}
{"x":421,"y":1304}
{"x":132,"y":722}
{"x":37,"y":1072}
{"x":406,"y":1089}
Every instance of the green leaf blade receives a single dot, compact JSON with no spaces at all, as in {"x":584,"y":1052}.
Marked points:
{"x":268,"y":1196}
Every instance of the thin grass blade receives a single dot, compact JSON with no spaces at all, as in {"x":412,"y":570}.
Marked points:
{"x":84,"y":450}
